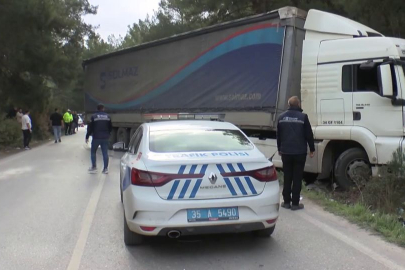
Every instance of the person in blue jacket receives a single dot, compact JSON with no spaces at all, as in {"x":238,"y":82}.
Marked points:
{"x":294,"y":135}
{"x":99,"y":128}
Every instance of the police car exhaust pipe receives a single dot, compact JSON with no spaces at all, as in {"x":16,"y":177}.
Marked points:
{"x":174,"y":234}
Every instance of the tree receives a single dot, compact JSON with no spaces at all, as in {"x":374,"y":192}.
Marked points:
{"x":177,"y":16}
{"x":41,"y":44}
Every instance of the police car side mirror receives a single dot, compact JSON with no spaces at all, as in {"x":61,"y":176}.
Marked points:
{"x":119,"y":146}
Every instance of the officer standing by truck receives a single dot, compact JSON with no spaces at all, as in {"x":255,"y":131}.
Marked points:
{"x":100,"y":128}
{"x":294,"y":135}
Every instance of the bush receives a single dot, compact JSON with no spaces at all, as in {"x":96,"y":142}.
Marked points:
{"x":387,"y":191}
{"x":10,"y":132}
{"x":40,"y":126}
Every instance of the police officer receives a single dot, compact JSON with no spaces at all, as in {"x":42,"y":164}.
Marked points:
{"x":100,"y":128}
{"x":294,"y":134}
{"x":68,"y":119}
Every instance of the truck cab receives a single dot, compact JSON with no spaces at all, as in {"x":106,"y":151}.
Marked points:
{"x":352,"y":88}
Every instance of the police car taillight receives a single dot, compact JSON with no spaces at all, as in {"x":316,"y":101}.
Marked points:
{"x":152,"y":179}
{"x":140,"y":178}
{"x":267,"y":174}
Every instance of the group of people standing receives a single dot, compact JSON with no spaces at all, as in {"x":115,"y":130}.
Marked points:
{"x":70,"y":122}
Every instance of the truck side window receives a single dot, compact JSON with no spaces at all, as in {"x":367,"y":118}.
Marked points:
{"x":355,"y":79}
{"x":366,"y":80}
{"x":347,"y":78}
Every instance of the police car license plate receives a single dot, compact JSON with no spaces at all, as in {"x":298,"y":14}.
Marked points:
{"x":212,"y":214}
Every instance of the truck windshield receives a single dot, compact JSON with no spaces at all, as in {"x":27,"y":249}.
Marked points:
{"x":165,"y":141}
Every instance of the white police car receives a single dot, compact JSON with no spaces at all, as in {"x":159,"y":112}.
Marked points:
{"x":196,"y":177}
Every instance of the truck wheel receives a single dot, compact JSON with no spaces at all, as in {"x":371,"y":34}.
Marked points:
{"x":123,"y":136}
{"x":352,"y":165}
{"x":131,"y":238}
{"x":265,"y":233}
{"x":310,"y":178}
{"x":113,"y":138}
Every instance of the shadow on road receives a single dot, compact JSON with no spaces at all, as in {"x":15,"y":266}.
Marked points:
{"x":205,"y":248}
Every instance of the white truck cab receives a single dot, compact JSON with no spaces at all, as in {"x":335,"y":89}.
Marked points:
{"x":353,"y":90}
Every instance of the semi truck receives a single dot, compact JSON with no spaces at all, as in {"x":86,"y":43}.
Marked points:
{"x":349,"y":77}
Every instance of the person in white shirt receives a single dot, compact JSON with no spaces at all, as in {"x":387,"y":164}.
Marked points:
{"x":26,"y":126}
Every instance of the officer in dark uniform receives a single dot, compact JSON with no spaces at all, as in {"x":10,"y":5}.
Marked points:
{"x":294,"y":135}
{"x":100,"y":128}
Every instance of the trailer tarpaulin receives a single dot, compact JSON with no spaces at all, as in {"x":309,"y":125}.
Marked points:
{"x":239,"y":71}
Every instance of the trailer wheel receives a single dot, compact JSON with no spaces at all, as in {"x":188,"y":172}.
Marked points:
{"x":123,"y":136}
{"x":112,"y":139}
{"x":352,"y":165}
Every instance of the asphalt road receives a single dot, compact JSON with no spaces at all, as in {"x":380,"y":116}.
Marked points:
{"x":54,"y":215}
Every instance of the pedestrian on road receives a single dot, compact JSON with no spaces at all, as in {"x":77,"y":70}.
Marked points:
{"x":75,"y":122}
{"x":99,"y":128}
{"x":68,"y":119}
{"x":26,"y":126}
{"x":294,"y":135}
{"x":57,"y":123}
{"x":19,"y":115}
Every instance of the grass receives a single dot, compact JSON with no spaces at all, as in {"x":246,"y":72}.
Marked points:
{"x":386,"y":225}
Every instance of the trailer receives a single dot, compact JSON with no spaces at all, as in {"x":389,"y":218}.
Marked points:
{"x":349,"y":77}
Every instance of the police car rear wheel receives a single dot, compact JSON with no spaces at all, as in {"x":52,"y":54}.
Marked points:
{"x":131,"y":238}
{"x":266,"y":232}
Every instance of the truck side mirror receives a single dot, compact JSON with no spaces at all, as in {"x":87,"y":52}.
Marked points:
{"x":385,"y":81}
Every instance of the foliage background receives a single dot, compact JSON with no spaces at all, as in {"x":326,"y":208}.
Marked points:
{"x":43,"y":42}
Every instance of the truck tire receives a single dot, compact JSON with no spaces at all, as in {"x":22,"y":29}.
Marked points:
{"x":131,"y":238}
{"x":123,"y":136}
{"x":113,"y":138}
{"x":310,"y":178}
{"x":351,"y":164}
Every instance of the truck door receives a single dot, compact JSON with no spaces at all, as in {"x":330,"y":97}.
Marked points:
{"x":334,"y":105}
{"x":370,"y":110}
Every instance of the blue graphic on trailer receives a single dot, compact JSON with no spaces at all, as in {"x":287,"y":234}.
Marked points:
{"x":240,"y":71}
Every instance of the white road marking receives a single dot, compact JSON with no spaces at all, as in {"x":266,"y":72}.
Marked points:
{"x":358,"y":246}
{"x":87,"y":221}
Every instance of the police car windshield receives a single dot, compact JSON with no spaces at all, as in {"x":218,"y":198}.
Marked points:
{"x":166,"y":141}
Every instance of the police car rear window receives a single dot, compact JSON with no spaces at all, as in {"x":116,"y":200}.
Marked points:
{"x":166,"y":141}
